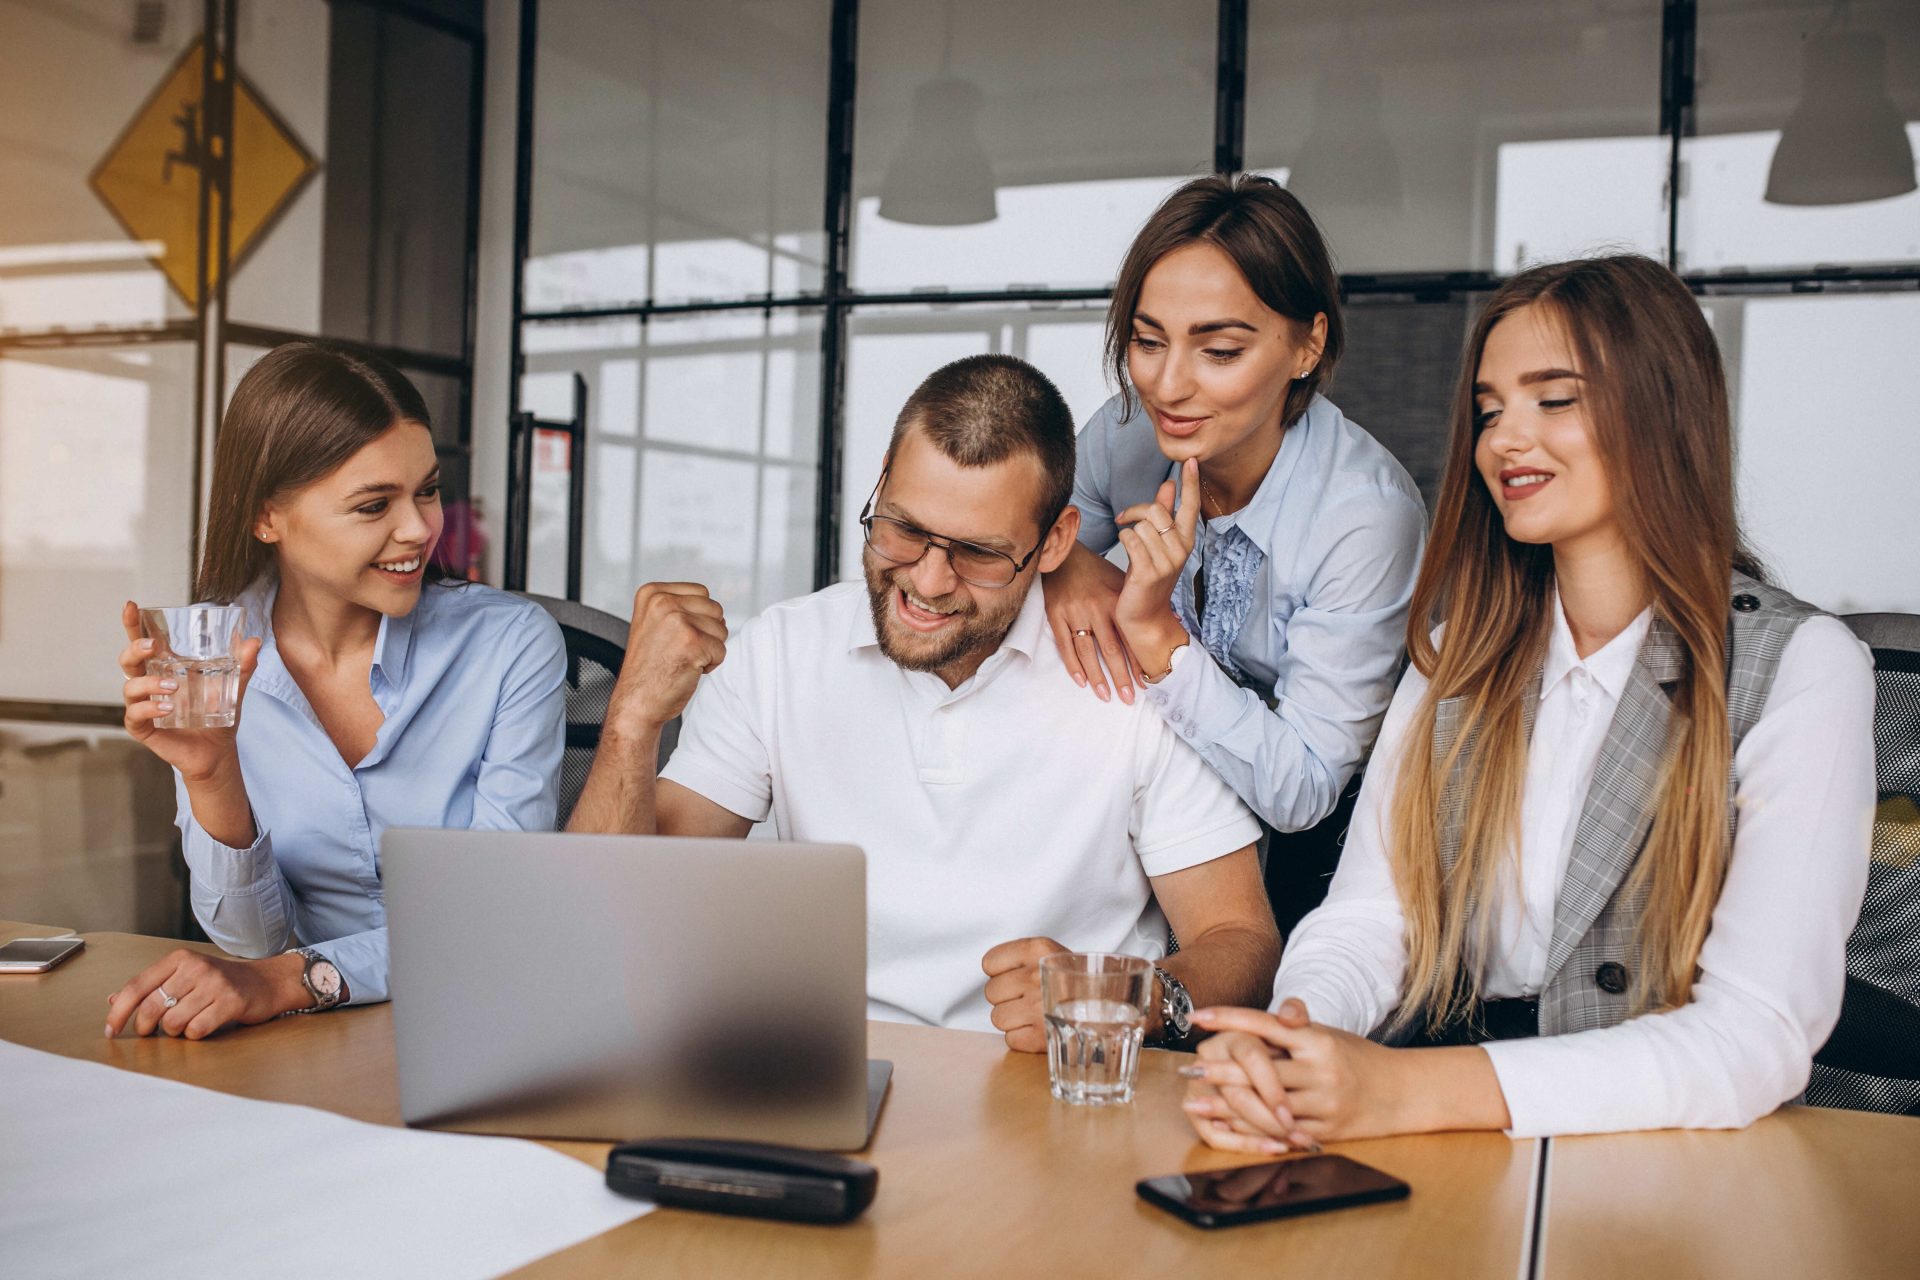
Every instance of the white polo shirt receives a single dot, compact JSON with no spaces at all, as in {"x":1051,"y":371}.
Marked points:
{"x":1018,"y":805}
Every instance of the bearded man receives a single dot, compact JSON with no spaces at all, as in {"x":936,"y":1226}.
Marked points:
{"x":925,"y":716}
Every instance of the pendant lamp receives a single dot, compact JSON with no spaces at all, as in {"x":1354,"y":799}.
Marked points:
{"x":941,"y":176}
{"x":1845,"y":142}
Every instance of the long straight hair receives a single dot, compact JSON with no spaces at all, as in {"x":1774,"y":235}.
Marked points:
{"x":299,"y":413}
{"x":1657,"y":406}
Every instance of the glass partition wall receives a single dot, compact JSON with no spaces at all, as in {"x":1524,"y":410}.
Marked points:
{"x":753,"y":228}
{"x":187,"y":185}
{"x":184,"y":185}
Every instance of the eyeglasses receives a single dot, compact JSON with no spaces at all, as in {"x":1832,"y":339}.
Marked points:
{"x":898,"y":542}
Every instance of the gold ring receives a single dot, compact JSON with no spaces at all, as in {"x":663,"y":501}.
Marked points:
{"x":1158,"y":529}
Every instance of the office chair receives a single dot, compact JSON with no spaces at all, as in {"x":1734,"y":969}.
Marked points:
{"x":596,"y":645}
{"x":1872,"y":1061}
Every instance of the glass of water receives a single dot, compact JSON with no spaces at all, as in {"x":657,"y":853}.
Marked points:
{"x":1096,"y":1011}
{"x":194,"y":645}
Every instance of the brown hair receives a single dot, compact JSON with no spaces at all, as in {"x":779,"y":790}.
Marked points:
{"x":982,"y":410}
{"x":1274,"y":242}
{"x":1658,"y":412}
{"x":299,"y":413}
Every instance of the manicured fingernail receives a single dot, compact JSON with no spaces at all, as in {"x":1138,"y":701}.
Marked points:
{"x":109,"y":1033}
{"x":1199,"y":1106}
{"x":163,"y":704}
{"x":1079,"y":679}
{"x":143,"y":644}
{"x":1102,"y":691}
{"x":1126,"y":696}
{"x":169,"y":684}
{"x":1273,"y":1148}
{"x":1303,"y":1142}
{"x":1193,"y":1073}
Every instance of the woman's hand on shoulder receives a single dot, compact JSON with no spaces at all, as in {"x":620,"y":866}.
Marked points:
{"x":194,"y":995}
{"x":201,"y":755}
{"x":1080,"y":597}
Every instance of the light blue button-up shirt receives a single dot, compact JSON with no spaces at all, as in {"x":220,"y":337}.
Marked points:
{"x":1339,"y":526}
{"x":471,"y":687}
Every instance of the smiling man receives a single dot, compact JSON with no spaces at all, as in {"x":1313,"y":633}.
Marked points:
{"x":925,"y":716}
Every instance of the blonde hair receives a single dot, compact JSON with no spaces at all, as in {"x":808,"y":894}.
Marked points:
{"x":1657,"y":401}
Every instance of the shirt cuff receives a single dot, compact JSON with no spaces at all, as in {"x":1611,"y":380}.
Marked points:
{"x":232,"y":872}
{"x":1540,"y":1092}
{"x":362,"y":961}
{"x":1175,"y":695}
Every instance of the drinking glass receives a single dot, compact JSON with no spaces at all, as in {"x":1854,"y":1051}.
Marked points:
{"x":1096,"y":1012}
{"x":194,"y":644}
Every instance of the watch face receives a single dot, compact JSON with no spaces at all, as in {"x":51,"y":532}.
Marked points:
{"x":325,"y":978}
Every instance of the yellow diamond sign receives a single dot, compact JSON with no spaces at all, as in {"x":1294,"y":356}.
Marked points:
{"x":150,"y":178}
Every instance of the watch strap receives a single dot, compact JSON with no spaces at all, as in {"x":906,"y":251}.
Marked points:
{"x":322,"y":1000}
{"x":1176,"y":1008}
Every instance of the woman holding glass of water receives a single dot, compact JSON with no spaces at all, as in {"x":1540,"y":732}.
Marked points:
{"x":368,"y":694}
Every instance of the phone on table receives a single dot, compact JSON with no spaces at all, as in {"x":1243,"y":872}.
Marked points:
{"x":1254,"y":1193}
{"x":36,"y":955}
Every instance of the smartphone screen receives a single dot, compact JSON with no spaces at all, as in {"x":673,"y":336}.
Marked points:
{"x":1250,"y":1193}
{"x":35,"y":954}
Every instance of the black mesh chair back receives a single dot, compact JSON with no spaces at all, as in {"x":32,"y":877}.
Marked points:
{"x":1872,"y":1061}
{"x":596,"y":645}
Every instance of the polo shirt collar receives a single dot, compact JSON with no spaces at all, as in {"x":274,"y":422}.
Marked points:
{"x":1028,"y":632}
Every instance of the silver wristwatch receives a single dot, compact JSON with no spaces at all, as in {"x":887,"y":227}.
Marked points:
{"x":322,"y":980}
{"x":1176,"y":1007}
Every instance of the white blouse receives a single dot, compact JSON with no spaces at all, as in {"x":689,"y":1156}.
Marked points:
{"x":1773,"y":967}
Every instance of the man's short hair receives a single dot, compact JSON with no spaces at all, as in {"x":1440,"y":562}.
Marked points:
{"x":982,"y":410}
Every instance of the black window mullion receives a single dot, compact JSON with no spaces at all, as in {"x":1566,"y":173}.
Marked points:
{"x":833,"y":336}
{"x":1679,"y":23}
{"x":1230,"y":89}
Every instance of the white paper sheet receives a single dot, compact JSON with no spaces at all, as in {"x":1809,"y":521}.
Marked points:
{"x":109,"y":1172}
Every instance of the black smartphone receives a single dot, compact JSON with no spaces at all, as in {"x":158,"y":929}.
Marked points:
{"x":1256,"y":1192}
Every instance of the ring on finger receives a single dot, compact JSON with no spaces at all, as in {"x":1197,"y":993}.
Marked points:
{"x":166,"y":999}
{"x":1159,"y":530}
{"x":1082,"y":631}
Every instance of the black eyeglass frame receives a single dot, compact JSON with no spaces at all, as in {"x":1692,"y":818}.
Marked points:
{"x":867,"y":517}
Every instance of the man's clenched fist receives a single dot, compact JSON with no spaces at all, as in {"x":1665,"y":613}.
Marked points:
{"x":678,"y":634}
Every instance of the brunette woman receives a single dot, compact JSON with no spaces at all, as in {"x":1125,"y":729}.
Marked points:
{"x":1615,"y":834}
{"x":371,"y":696}
{"x":1263,"y":610}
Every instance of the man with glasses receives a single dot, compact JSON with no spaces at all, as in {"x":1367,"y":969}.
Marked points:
{"x":928,"y":719}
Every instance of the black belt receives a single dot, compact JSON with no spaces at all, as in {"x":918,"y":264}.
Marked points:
{"x":1513,"y":1019}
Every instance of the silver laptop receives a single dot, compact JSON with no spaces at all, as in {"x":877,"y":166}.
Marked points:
{"x":625,"y":987}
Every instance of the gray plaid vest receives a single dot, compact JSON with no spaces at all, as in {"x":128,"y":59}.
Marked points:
{"x":1590,"y":957}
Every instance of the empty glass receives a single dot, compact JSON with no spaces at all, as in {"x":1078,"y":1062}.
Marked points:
{"x":194,"y":644}
{"x":1096,"y":1012}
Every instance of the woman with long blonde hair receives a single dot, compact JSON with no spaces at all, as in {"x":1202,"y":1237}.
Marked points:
{"x":1615,"y":834}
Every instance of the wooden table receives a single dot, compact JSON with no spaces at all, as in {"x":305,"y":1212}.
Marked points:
{"x":981,"y":1172}
{"x":1807,"y":1191}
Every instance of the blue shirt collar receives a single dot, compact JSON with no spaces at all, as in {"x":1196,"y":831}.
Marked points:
{"x":1259,"y":520}
{"x":392,"y":647}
